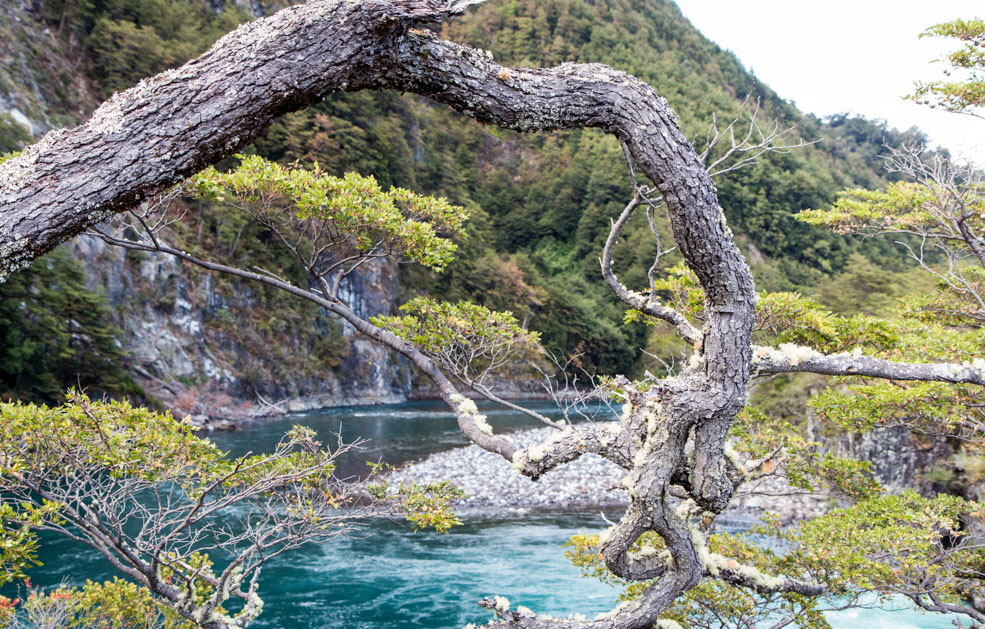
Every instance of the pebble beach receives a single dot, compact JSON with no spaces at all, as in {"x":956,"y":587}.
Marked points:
{"x":590,"y":482}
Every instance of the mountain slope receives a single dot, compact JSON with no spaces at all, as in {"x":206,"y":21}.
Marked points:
{"x":541,"y":205}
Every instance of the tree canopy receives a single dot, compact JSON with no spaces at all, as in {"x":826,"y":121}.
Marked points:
{"x":964,"y":93}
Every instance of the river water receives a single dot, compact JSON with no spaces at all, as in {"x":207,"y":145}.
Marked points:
{"x":387,"y":576}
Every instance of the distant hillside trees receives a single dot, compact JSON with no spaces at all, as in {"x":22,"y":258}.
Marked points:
{"x":54,"y":335}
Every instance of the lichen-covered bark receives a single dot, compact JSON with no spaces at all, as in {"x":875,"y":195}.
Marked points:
{"x":794,"y":359}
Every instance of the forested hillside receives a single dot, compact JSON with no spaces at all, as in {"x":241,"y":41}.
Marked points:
{"x":540,"y":205}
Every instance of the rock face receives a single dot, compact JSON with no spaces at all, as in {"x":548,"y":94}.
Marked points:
{"x":899,"y":458}
{"x":182,"y":352}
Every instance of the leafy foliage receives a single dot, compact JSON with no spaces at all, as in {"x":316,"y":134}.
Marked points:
{"x":117,"y":436}
{"x":929,"y":407}
{"x":54,"y":334}
{"x":350,"y":210}
{"x":892,"y":543}
{"x":142,"y":488}
{"x":424,"y":505}
{"x":469,"y":340}
{"x":919,"y":208}
{"x":115,"y":604}
{"x":943,"y":208}
{"x":966,"y":95}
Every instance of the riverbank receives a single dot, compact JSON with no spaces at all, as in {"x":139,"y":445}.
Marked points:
{"x":490,"y":482}
{"x":591,"y":482}
{"x":233,"y":416}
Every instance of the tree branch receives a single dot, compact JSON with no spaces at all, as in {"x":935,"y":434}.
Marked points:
{"x":799,"y":359}
{"x":646,"y":305}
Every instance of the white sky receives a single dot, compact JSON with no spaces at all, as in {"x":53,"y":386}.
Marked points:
{"x":857,"y":56}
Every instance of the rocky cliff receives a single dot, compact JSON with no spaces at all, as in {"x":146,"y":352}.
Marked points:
{"x":189,"y":350}
{"x":202,"y":346}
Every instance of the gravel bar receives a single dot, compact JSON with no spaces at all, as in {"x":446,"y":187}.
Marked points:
{"x":491,"y":485}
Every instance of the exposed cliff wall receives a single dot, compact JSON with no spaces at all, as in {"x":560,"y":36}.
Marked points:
{"x":41,"y":87}
{"x":208,"y":347}
{"x":899,"y":458}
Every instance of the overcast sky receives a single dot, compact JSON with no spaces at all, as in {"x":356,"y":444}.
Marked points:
{"x":857,"y":56}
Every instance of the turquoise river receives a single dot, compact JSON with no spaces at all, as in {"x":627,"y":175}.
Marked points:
{"x":387,"y":576}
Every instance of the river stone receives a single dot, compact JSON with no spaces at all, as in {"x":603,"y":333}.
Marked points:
{"x":491,"y":484}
